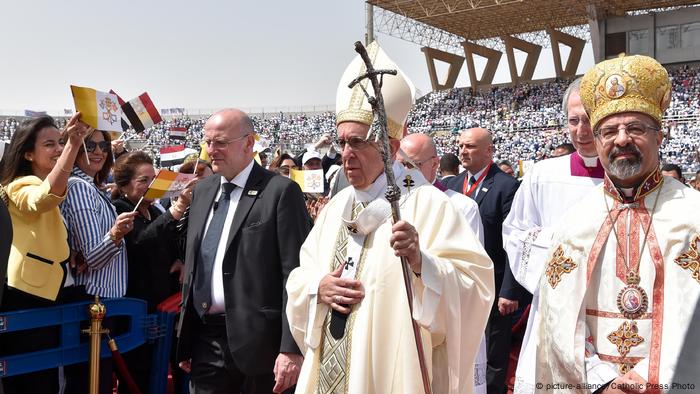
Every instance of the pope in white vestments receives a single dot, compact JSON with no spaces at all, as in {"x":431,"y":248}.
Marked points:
{"x":622,"y":277}
{"x":546,"y":193}
{"x":349,"y":263}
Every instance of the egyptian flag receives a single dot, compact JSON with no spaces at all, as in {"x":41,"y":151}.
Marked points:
{"x":178,"y":133}
{"x":141,"y":112}
{"x":125,"y":120}
{"x":171,"y":155}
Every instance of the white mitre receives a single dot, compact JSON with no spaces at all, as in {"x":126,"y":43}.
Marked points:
{"x":397,"y":90}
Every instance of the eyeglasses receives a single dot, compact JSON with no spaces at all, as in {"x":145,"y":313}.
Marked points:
{"x":575,"y":121}
{"x":105,"y":146}
{"x":634,"y":130}
{"x":411,"y":164}
{"x":356,"y":143}
{"x":220,"y":144}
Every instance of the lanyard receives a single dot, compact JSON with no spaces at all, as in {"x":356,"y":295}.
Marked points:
{"x":478,"y":181}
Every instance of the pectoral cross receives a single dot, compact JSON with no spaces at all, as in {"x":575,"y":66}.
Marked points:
{"x":408,"y":183}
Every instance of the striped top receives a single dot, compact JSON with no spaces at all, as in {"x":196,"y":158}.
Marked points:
{"x":89,"y":216}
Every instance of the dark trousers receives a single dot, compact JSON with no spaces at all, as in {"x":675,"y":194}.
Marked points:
{"x":213,"y":368}
{"x":497,"y":350}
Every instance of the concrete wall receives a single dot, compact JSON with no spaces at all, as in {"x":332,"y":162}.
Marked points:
{"x":673,"y":22}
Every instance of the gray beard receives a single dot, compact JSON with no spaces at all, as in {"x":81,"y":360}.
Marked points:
{"x":625,"y":168}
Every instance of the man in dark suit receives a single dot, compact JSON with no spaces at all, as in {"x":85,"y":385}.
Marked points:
{"x":493,"y":190}
{"x":245,"y":228}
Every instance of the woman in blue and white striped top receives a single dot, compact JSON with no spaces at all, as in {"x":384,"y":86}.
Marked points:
{"x":94,"y":229}
{"x":96,"y":233}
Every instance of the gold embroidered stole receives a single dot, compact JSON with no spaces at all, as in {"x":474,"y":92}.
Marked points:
{"x":335,"y":353}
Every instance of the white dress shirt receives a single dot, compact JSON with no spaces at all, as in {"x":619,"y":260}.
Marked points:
{"x":218,"y":304}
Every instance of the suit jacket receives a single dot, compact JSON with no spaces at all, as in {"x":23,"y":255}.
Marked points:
{"x":494,"y":198}
{"x":268,"y":228}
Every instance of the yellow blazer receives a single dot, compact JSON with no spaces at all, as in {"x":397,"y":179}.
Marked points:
{"x":40,"y":241}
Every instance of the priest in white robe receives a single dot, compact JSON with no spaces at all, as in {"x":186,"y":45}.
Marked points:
{"x":347,"y":305}
{"x":418,"y":151}
{"x":547,"y":191}
{"x":622,"y":277}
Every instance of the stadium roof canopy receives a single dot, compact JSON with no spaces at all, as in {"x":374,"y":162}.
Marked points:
{"x":482,"y":19}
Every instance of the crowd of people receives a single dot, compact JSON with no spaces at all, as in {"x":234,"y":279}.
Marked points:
{"x":526,"y":121}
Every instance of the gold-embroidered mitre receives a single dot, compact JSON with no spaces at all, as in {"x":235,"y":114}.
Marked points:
{"x":625,"y":84}
{"x":351,"y":105}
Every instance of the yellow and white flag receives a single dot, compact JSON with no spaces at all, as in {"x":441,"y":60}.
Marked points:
{"x":311,"y":181}
{"x":167,"y":184}
{"x":99,"y":109}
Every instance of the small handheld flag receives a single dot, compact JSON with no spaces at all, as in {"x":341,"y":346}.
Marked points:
{"x":310,"y":181}
{"x":167,"y":184}
{"x":98,"y":109}
{"x":141,"y":112}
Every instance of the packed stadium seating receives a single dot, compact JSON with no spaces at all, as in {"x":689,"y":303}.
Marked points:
{"x":526,"y":120}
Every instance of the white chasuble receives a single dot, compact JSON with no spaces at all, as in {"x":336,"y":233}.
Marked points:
{"x":452,"y":297}
{"x":546,"y":193}
{"x":593,"y":325}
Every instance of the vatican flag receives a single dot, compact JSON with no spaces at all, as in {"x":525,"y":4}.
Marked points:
{"x":310,"y":181}
{"x":98,"y":109}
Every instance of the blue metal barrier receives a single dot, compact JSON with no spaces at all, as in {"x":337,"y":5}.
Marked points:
{"x":155,"y":328}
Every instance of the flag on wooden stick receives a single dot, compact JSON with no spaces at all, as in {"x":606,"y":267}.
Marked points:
{"x":141,"y":112}
{"x":310,"y":181}
{"x":125,"y":120}
{"x":167,"y":184}
{"x":100,"y":110}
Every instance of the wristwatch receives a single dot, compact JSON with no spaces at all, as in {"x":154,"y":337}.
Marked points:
{"x":113,"y":237}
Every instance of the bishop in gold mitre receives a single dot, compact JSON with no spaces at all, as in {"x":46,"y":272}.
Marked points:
{"x":622,"y":279}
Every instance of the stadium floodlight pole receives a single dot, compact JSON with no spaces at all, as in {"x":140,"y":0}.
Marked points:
{"x":393,"y":193}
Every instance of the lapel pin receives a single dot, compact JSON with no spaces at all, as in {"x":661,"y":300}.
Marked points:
{"x":483,"y":189}
{"x":252,"y":192}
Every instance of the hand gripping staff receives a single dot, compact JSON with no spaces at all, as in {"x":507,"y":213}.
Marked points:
{"x":380,"y":134}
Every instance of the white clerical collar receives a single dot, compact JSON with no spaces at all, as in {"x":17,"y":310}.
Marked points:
{"x":242,"y":178}
{"x":478,"y":174}
{"x":590,"y":161}
{"x":376,"y":189}
{"x":627,"y":191}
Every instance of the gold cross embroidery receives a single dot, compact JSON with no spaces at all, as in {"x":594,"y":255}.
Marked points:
{"x":625,"y":337}
{"x":558,"y":266}
{"x":690,"y":260}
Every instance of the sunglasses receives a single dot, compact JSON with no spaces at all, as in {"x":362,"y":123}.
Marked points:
{"x":105,"y":146}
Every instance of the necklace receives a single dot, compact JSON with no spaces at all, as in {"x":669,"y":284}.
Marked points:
{"x":632,"y":300}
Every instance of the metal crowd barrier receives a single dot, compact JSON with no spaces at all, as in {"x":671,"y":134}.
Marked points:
{"x":143,"y":327}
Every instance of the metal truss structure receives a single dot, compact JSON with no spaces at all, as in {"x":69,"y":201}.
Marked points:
{"x":445,"y":24}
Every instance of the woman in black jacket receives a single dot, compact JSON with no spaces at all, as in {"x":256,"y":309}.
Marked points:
{"x":149,"y":246}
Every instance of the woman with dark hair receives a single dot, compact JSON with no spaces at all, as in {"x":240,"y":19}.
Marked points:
{"x":148,"y":246}
{"x":34,"y":173}
{"x":96,"y":233}
{"x":282,"y":164}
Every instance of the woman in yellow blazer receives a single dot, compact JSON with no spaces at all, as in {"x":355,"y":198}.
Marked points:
{"x":34,"y":173}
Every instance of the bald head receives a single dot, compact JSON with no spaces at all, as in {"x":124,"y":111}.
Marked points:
{"x":420,"y":144}
{"x":420,"y":149}
{"x":478,"y":134}
{"x":229,"y":137}
{"x":233,"y":119}
{"x":475,"y":149}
